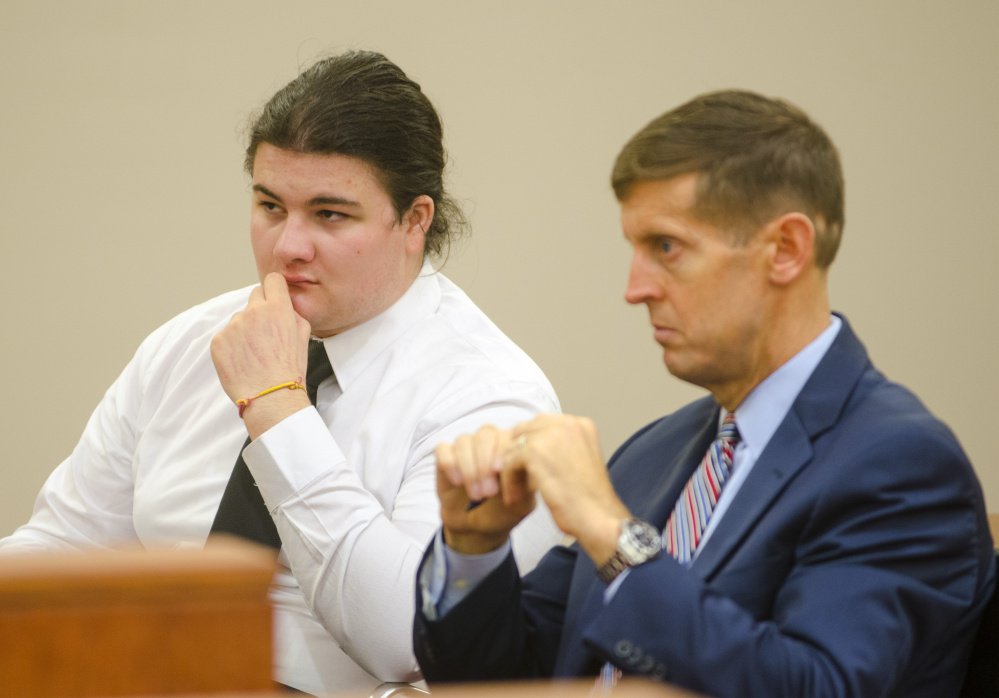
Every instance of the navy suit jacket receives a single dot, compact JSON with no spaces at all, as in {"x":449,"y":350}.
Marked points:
{"x":855,"y":560}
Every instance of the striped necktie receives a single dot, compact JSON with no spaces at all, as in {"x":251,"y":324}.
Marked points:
{"x":692,"y":512}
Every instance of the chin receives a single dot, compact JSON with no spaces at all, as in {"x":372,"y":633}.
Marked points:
{"x":324,"y":326}
{"x":301,"y":308}
{"x":676,"y":368}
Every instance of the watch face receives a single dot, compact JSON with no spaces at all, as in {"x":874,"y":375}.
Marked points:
{"x":641,"y":541}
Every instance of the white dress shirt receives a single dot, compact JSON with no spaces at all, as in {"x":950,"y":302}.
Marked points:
{"x":351,"y":483}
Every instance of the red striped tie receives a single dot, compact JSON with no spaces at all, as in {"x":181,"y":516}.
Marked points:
{"x":693,"y":509}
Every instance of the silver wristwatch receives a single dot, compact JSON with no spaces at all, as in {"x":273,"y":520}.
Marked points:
{"x":639,"y":542}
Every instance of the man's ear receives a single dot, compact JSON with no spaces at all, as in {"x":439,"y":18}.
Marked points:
{"x":417,"y":220}
{"x":792,"y":237}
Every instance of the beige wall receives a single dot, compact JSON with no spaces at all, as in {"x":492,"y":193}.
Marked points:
{"x":124,"y":199}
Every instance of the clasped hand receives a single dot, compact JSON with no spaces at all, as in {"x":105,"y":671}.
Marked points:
{"x":557,"y":456}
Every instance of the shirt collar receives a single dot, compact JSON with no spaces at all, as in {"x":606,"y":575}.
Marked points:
{"x":351,"y":351}
{"x":765,"y":407}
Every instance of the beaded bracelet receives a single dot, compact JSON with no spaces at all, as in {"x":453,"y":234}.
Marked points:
{"x":244,"y":402}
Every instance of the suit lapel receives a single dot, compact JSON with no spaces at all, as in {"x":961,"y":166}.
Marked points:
{"x":676,"y":470}
{"x":789,"y":450}
{"x":815,"y":410}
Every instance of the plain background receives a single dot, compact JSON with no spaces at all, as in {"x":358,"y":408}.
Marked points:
{"x":121,"y":146}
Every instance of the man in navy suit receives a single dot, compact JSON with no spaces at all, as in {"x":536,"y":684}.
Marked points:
{"x":824,"y":534}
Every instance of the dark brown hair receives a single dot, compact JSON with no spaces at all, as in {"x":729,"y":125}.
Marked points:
{"x":362,"y":105}
{"x":756,"y":158}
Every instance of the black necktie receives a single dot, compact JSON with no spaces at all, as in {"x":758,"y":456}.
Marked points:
{"x":242,"y":511}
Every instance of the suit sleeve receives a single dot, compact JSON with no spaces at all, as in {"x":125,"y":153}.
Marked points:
{"x":523,"y":625}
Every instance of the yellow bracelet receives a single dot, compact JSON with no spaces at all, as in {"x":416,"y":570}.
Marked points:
{"x":244,"y":402}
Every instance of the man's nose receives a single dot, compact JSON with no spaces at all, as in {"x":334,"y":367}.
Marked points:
{"x":641,"y":282}
{"x":295,"y":244}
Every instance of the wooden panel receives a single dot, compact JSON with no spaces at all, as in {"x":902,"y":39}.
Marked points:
{"x":114,"y":623}
{"x":994,"y":527}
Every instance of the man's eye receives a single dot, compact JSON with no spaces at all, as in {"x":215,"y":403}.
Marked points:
{"x":665,"y":245}
{"x":268,"y":206}
{"x":330,"y":215}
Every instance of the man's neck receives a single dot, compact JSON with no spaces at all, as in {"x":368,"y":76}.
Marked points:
{"x":783,"y":341}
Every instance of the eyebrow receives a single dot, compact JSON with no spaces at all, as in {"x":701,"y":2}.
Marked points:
{"x":314,"y":201}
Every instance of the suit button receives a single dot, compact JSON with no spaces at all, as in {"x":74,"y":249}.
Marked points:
{"x":623,"y":648}
{"x":635,"y":657}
